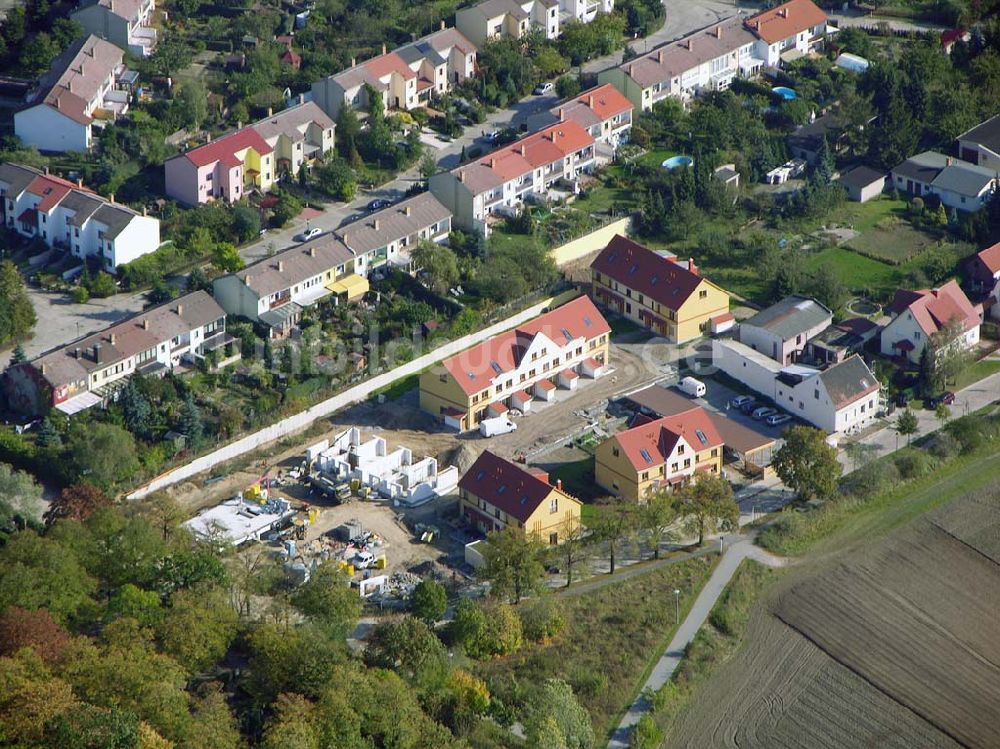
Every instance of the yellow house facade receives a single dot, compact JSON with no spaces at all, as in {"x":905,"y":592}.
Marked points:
{"x":495,"y":494}
{"x":658,"y":454}
{"x":503,"y":372}
{"x":668,"y":297}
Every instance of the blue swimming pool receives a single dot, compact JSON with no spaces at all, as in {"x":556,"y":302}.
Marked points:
{"x":788,"y":94}
{"x":675,"y":161}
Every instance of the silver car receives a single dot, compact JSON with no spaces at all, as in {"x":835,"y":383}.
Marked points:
{"x":763,"y":412}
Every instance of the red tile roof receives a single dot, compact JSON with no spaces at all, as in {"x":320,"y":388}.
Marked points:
{"x":785,"y":20}
{"x":506,"y":485}
{"x":538,"y":149}
{"x":389,"y":63}
{"x":933,"y":309}
{"x":990,"y":257}
{"x":606,"y":101}
{"x":51,"y":190}
{"x":658,"y":437}
{"x":473,"y":369}
{"x":224,"y":149}
{"x":646,"y":272}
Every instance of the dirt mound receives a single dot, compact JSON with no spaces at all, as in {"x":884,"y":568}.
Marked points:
{"x":462,"y":457}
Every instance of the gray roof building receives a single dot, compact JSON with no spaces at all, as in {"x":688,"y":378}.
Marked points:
{"x":848,"y":381}
{"x":398,"y":222}
{"x":790,"y":317}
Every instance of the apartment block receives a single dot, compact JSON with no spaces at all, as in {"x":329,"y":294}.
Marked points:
{"x":253,"y":157}
{"x":86,"y":85}
{"x":127,"y":24}
{"x":495,"y":494}
{"x":88,"y":371}
{"x":67,"y":216}
{"x":788,"y":31}
{"x":604,"y":112}
{"x":527,"y":169}
{"x":658,"y":454}
{"x":661,"y":293}
{"x":504,"y":371}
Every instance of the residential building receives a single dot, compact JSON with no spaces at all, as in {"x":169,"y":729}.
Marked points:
{"x":274,"y":290}
{"x":389,"y":74}
{"x":253,"y":157}
{"x":86,"y":372}
{"x":83,"y":87}
{"x":447,"y":47}
{"x":983,"y":268}
{"x":513,"y":19}
{"x":806,"y":141}
{"x":67,"y":216}
{"x":506,"y":368}
{"x":495,"y":494}
{"x":526,"y":169}
{"x":788,"y":31}
{"x":782,"y":330}
{"x":389,"y":235}
{"x":842,"y":398}
{"x":604,"y":112}
{"x":950,"y":37}
{"x":863,"y":183}
{"x":839,"y":341}
{"x":958,"y":184}
{"x":655,"y":290}
{"x":658,"y":454}
{"x":583,"y":11}
{"x":707,"y":60}
{"x":981,"y":144}
{"x":919,"y":315}
{"x":128,"y":24}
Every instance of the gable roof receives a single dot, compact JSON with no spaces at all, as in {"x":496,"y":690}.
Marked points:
{"x":76,"y":76}
{"x":473,"y":369}
{"x":394,"y":223}
{"x":932,"y":309}
{"x":670,"y":60}
{"x":224,"y":149}
{"x":128,"y":338}
{"x":923,"y":167}
{"x":294,"y":265}
{"x":792,"y":316}
{"x":990,"y":258}
{"x":126,"y":9}
{"x":788,"y":19}
{"x":647,"y":272}
{"x":507,"y":486}
{"x":810,"y":136}
{"x":651,"y":441}
{"x":494,"y":8}
{"x":861,"y":176}
{"x":443,"y":40}
{"x":848,"y":381}
{"x":964,"y":178}
{"x":986,"y":134}
{"x":292,"y":122}
{"x":594,"y":106}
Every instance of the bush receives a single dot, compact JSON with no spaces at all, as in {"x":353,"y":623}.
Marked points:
{"x":541,"y":618}
{"x":871,"y":479}
{"x":79,"y":294}
{"x":943,"y":446}
{"x":912,"y":463}
{"x":646,"y":734}
{"x":103,"y":286}
{"x":487,"y":633}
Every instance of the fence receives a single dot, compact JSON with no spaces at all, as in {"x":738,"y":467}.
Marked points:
{"x":349,"y":397}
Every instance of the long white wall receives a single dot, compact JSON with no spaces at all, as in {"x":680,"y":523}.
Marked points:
{"x":353,"y":395}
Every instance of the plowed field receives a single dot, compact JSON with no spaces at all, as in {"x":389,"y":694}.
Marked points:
{"x":893,"y":645}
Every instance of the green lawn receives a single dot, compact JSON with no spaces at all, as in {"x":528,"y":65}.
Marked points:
{"x":578,"y":480}
{"x":612,"y":637}
{"x":399,"y":387}
{"x":859,"y":273}
{"x":976,"y":372}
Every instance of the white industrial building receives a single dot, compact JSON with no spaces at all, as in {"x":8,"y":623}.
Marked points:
{"x":238,"y":521}
{"x":393,"y":475}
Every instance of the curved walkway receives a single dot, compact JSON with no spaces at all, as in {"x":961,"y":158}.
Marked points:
{"x":671,"y":658}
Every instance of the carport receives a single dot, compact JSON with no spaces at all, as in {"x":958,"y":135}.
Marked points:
{"x":751,"y":450}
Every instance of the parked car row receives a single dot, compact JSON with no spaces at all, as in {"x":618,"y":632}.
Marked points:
{"x":759,"y":411}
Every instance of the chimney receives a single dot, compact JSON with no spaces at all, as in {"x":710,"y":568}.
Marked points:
{"x":590,"y":101}
{"x":690,"y":44}
{"x":493,"y":163}
{"x":562,"y":115}
{"x":239,"y":126}
{"x":784,"y":12}
{"x":46,"y":171}
{"x":377,"y":223}
{"x":302,"y":98}
{"x":76,"y":352}
{"x":246,"y":280}
{"x":145,"y":324}
{"x":69,"y":85}
{"x":180,"y":310}
{"x":79,"y":182}
{"x":383,"y":49}
{"x":354,"y":62}
{"x":111,"y":197}
{"x":660,"y":55}
{"x":692,"y":267}
{"x":270,"y":111}
{"x":281,"y":266}
{"x":97,"y":352}
{"x":43,"y":367}
{"x":312,"y":252}
{"x":112,"y":339}
{"x":145,"y":211}
{"x":407,"y":210}
{"x":949,"y":161}
{"x":208,"y":138}
{"x":559,"y":484}
{"x":461,"y":177}
{"x":718,"y":32}
{"x":522,"y":149}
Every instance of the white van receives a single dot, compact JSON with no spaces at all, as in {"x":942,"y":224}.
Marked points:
{"x":691,"y":386}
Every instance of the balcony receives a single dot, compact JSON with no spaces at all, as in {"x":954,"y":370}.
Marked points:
{"x":142,"y":40}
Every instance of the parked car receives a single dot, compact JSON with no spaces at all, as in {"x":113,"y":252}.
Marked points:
{"x":691,"y":386}
{"x":763,"y":412}
{"x":363,"y":560}
{"x":775,"y":419}
{"x":544,"y":88}
{"x":308,"y":234}
{"x":740,"y":400}
{"x":378,"y":204}
{"x":749,"y":406}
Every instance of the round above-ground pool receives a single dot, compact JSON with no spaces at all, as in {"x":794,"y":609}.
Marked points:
{"x":784,"y":92}
{"x":675,"y":161}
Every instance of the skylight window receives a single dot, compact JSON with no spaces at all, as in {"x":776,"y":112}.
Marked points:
{"x":587,"y":321}
{"x":480,"y":475}
{"x":701,"y":436}
{"x":633,"y":269}
{"x":653,"y":280}
{"x":646,"y":456}
{"x":501,"y":489}
{"x":565,"y":332}
{"x":496,"y":367}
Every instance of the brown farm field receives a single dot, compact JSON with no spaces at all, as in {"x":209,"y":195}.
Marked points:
{"x":892,"y":644}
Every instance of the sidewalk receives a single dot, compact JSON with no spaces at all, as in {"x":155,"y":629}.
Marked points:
{"x":686,"y":632}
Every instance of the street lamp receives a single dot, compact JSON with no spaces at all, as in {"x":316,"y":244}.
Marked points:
{"x":677,"y":607}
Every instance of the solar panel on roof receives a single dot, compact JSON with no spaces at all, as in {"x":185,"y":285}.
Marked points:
{"x":646,"y":456}
{"x":701,"y":436}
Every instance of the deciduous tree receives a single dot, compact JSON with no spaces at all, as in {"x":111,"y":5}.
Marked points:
{"x":513,"y":563}
{"x":708,"y":505}
{"x":198,"y":627}
{"x":906,"y":424}
{"x":807,"y":464}
{"x":658,"y":518}
{"x":439,"y":262}
{"x":405,"y":645}
{"x":429,"y":601}
{"x":77,"y":502}
{"x":20,"y":498}
{"x":328,"y":599}
{"x":615,"y":526}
